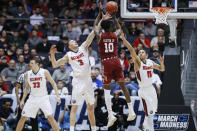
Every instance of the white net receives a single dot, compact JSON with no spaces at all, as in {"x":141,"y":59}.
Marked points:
{"x":161,"y":14}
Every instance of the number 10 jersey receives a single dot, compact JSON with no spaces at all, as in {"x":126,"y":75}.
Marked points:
{"x":108,"y":45}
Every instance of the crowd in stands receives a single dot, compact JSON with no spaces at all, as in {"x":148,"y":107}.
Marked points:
{"x":28,"y":28}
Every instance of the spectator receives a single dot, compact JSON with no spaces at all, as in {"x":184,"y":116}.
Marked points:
{"x":4,"y":63}
{"x":10,"y":73}
{"x":26,"y":52}
{"x":36,"y":18}
{"x":100,"y":110}
{"x":86,"y":6}
{"x":80,"y":17}
{"x":93,"y":11}
{"x":58,"y":7}
{"x":33,"y":53}
{"x":2,"y":54}
{"x":96,"y":82}
{"x":64,"y":118}
{"x":62,"y":74}
{"x":150,"y":28}
{"x":61,"y":46}
{"x":44,"y":46}
{"x":12,"y":9}
{"x":131,"y":86}
{"x":4,"y":88}
{"x":7,"y":114}
{"x":39,"y":31}
{"x":42,"y":4}
{"x":2,"y":22}
{"x":4,"y":39}
{"x":157,"y":83}
{"x":72,"y":9}
{"x":76,"y":28}
{"x":142,"y":40}
{"x":98,"y":74}
{"x":19,"y":51}
{"x":133,"y":29}
{"x":21,"y":66}
{"x":55,"y":30}
{"x":124,"y":61}
{"x":93,"y":53}
{"x":117,"y":106}
{"x":159,"y":40}
{"x":132,"y":75}
{"x":155,"y":55}
{"x":73,"y":35}
{"x":20,"y":13}
{"x":63,"y":91}
{"x":34,"y":40}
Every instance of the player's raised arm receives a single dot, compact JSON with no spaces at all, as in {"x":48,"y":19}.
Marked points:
{"x":89,"y":40}
{"x":117,"y":25}
{"x":136,"y":59}
{"x":99,"y":14}
{"x":57,"y":63}
{"x":160,"y":67}
{"x":50,"y":79}
{"x":25,"y":92}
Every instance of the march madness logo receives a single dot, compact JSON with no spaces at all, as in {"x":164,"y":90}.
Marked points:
{"x":171,"y":121}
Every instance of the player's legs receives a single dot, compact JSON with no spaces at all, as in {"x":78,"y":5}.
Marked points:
{"x":73,"y":117}
{"x":53,"y":123}
{"x":21,"y":123}
{"x":91,"y":116}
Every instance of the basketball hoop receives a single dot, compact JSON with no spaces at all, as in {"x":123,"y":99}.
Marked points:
{"x":161,"y":14}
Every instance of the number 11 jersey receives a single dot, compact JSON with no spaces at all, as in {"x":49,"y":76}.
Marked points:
{"x":79,"y":62}
{"x":144,"y":75}
{"x":108,"y":45}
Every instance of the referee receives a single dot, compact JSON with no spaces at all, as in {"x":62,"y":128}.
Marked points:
{"x":21,"y":84}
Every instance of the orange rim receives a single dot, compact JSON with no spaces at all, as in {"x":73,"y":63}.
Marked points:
{"x":162,"y":10}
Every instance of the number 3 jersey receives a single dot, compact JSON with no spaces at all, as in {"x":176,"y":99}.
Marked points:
{"x":144,"y":75}
{"x":108,"y":45}
{"x":37,"y":82}
{"x":79,"y":62}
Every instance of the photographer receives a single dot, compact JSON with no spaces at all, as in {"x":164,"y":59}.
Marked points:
{"x":117,"y":107}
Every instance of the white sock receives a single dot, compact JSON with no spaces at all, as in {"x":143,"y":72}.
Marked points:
{"x":93,"y":128}
{"x":150,"y":122}
{"x":130,"y":106}
{"x":72,"y":128}
{"x":108,"y":101}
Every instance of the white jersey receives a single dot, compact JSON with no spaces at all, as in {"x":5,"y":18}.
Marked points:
{"x":145,"y":73}
{"x":79,"y":62}
{"x":37,"y":82}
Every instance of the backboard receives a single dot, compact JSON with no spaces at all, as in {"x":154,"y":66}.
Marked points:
{"x":182,"y":9}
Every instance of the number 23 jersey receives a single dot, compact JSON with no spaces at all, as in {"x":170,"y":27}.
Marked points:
{"x":144,"y":75}
{"x":37,"y":82}
{"x":79,"y":62}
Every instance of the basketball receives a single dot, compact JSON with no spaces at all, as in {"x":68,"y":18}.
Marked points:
{"x":111,"y":7}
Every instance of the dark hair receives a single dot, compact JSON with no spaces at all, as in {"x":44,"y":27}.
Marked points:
{"x":106,"y":24}
{"x":143,"y":50}
{"x":37,"y":59}
{"x":60,"y":81}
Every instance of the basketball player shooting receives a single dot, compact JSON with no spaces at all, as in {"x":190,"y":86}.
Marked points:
{"x":82,"y":84}
{"x":38,"y":98}
{"x":144,"y":70}
{"x":111,"y":67}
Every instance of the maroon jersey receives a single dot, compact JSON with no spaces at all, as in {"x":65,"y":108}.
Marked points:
{"x":108,"y":45}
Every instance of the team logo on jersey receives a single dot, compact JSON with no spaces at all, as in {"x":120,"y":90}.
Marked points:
{"x":23,"y":112}
{"x":77,"y":57}
{"x":147,"y":67}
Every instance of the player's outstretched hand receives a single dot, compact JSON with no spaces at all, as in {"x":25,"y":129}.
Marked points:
{"x":106,"y":16}
{"x":53,"y":49}
{"x":100,"y":6}
{"x":21,"y":104}
{"x":161,"y":59}
{"x":122,"y":35}
{"x":58,"y":101}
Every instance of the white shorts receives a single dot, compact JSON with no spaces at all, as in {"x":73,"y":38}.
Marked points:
{"x":149,"y":99}
{"x":34,"y":103}
{"x":82,"y":89}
